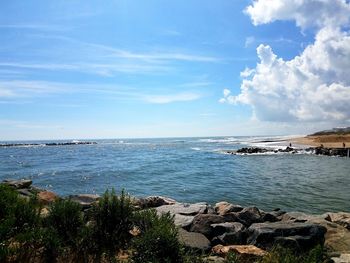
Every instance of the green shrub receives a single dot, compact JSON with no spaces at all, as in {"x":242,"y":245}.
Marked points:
{"x":158,"y":240}
{"x":66,"y":219}
{"x":112,"y":221}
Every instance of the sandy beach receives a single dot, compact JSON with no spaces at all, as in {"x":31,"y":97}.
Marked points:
{"x":328,"y":141}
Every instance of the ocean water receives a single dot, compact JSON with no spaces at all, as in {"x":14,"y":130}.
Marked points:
{"x":188,"y":170}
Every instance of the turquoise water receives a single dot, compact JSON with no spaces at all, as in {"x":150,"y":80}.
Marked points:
{"x":189,"y":170}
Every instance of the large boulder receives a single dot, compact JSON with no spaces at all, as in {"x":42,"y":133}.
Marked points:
{"x":194,"y":240}
{"x":223,"y":208}
{"x":337,"y":237}
{"x":250,"y":215}
{"x":154,"y":201}
{"x":228,"y":233}
{"x":46,"y":197}
{"x":183,"y":221}
{"x":244,"y":253}
{"x":85,"y":200}
{"x":301,"y":236}
{"x":202,"y":223}
{"x":339,"y":218}
{"x":184,"y":209}
{"x":18,"y":184}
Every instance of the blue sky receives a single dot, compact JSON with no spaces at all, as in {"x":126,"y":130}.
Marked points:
{"x":87,"y":69}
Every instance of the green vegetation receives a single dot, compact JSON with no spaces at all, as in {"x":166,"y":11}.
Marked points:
{"x":109,"y":229}
{"x":279,"y":254}
{"x":158,"y":240}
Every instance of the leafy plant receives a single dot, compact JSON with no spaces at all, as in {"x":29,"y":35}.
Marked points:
{"x":158,"y":240}
{"x":66,"y":219}
{"x":112,"y":221}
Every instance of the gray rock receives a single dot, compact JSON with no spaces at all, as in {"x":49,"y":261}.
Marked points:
{"x":303,"y":236}
{"x":213,"y":259}
{"x":228,"y":233}
{"x":194,"y":240}
{"x":223,"y":208}
{"x":202,"y":224}
{"x":154,"y":201}
{"x":85,"y":200}
{"x":343,"y":258}
{"x":184,"y":209}
{"x":273,"y":216}
{"x":25,"y":192}
{"x":250,"y":215}
{"x":183,"y":221}
{"x":18,"y":184}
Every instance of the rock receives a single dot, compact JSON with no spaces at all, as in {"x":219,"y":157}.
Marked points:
{"x":194,"y":240}
{"x":202,"y":224}
{"x":273,"y":216}
{"x":44,"y":212}
{"x":340,"y":218}
{"x":223,"y":208}
{"x":343,"y":258}
{"x":250,"y":150}
{"x":213,"y":259}
{"x":183,"y":221}
{"x":46,"y":197}
{"x":25,"y":192}
{"x":228,"y":233}
{"x":250,"y":215}
{"x":85,"y":200}
{"x":303,"y":236}
{"x":337,"y":237}
{"x":184,"y":209}
{"x":18,"y":184}
{"x":244,"y":253}
{"x":154,"y":201}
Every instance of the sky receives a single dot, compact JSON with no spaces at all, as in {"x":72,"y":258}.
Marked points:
{"x":128,"y":69}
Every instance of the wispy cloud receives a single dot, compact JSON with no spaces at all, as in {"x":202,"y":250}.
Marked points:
{"x":38,"y":27}
{"x":178,"y":97}
{"x":103,"y":60}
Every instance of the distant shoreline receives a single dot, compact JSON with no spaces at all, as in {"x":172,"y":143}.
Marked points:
{"x":328,"y":141}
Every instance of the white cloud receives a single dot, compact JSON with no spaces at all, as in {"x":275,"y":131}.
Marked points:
{"x":313,"y":86}
{"x":178,"y":97}
{"x":306,"y":13}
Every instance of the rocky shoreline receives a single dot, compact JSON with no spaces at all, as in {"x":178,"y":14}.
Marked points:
{"x":340,"y":152}
{"x":224,"y":227}
{"x":45,"y":144}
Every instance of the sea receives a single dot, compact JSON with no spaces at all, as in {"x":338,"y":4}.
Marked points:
{"x":188,"y":170}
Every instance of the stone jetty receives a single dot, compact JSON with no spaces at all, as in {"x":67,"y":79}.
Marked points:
{"x":341,"y":152}
{"x":45,"y":144}
{"x":225,"y":227}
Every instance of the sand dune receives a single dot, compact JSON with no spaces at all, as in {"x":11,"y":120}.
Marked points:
{"x":328,"y":141}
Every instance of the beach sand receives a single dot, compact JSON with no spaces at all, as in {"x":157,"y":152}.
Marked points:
{"x":328,"y":141}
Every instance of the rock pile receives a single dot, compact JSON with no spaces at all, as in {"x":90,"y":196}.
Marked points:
{"x":225,"y":227}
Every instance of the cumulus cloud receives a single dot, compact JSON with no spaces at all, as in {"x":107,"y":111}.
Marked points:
{"x":305,"y":13}
{"x":310,"y":87}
